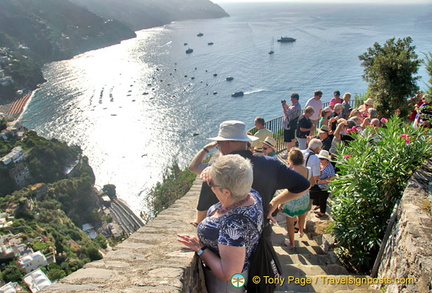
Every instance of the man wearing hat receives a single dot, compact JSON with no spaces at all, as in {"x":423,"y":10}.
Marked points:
{"x":269,"y":147}
{"x":269,"y":174}
{"x":324,"y":136}
{"x":365,"y":107}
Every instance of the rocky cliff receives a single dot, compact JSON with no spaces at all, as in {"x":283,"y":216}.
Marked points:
{"x":141,"y":14}
{"x":48,"y":30}
{"x":33,"y":32}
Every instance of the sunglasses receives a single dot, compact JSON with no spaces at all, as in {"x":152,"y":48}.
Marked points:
{"x":211,"y":184}
{"x":265,"y":148}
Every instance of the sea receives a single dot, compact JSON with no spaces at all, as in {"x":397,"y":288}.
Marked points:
{"x":138,"y":106}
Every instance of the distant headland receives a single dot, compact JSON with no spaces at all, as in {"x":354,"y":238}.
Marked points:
{"x":50,"y":30}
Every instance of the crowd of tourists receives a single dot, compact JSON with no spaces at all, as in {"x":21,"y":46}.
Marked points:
{"x":238,"y":200}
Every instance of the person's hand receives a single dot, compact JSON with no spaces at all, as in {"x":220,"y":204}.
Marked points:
{"x":271,"y":210}
{"x":211,"y":145}
{"x":191,"y":241}
{"x":205,"y":174}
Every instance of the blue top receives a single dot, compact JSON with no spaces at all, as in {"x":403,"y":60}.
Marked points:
{"x":233,"y":228}
{"x":327,"y":172}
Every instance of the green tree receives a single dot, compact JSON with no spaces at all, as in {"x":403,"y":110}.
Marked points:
{"x":428,"y":63}
{"x":101,"y":241}
{"x":390,"y":70}
{"x":110,"y":190}
{"x":372,"y":176}
{"x":56,"y":274}
{"x":3,"y":124}
{"x":12,"y":273}
{"x":93,"y":253}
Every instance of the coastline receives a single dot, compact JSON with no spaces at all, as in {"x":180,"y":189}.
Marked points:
{"x":16,"y":108}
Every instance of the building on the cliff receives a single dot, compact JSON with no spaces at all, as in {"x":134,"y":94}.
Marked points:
{"x":21,"y":175}
{"x":12,"y":287}
{"x":37,"y":281}
{"x":89,"y":230}
{"x":33,"y":261}
{"x":15,"y":155}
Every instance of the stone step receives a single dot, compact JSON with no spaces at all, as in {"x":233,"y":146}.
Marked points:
{"x":311,"y":266}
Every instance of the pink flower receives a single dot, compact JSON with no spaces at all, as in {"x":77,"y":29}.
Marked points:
{"x":407,"y":140}
{"x":384,"y":120}
{"x":352,"y":129}
{"x":346,"y":156}
{"x":404,"y":135}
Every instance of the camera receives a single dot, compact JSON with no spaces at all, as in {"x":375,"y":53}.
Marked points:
{"x":283,"y":101}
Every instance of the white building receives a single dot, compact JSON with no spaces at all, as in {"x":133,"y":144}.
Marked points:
{"x":16,"y":155}
{"x":37,"y":281}
{"x":89,"y":230}
{"x":11,"y":287}
{"x":33,"y":261}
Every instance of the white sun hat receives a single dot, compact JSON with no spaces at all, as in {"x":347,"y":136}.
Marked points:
{"x":233,"y":130}
{"x":323,"y":154}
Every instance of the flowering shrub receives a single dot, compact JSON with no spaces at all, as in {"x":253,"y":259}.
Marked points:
{"x":373,"y":174}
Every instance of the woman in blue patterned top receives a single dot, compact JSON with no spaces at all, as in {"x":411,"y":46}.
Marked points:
{"x":230,"y":232}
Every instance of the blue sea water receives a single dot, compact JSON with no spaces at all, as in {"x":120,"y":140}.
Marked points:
{"x":137,"y":106}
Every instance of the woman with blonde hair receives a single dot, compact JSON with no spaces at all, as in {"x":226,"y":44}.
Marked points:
{"x":299,"y":206}
{"x":230,"y":232}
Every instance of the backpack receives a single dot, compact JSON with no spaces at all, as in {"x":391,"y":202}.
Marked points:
{"x":263,"y":262}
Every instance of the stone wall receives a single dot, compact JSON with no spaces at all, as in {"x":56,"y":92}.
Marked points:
{"x":150,"y":260}
{"x":408,"y":253}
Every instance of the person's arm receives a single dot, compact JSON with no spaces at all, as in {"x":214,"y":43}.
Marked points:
{"x":294,"y":184}
{"x":280,"y":199}
{"x":196,"y":165}
{"x":285,"y":108}
{"x":324,"y":181}
{"x":338,"y":130}
{"x":230,"y":262}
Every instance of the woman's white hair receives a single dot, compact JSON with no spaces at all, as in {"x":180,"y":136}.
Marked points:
{"x":338,"y":106}
{"x":315,"y":143}
{"x":233,"y":172}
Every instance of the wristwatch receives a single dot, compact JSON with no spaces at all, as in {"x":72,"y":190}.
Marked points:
{"x":201,"y":250}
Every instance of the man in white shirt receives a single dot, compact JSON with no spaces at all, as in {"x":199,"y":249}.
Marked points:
{"x":316,"y":103}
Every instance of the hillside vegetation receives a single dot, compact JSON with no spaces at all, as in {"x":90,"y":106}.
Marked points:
{"x":34,"y":32}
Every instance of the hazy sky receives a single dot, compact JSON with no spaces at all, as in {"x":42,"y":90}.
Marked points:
{"x":339,"y":1}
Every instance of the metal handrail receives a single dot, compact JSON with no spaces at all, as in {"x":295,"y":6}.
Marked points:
{"x":275,"y":126}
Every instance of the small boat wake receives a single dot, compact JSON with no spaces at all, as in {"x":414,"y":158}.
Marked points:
{"x":254,"y":91}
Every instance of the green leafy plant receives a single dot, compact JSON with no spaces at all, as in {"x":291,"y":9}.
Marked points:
{"x":373,"y":174}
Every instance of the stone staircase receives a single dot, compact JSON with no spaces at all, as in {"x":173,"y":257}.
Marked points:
{"x":151,"y":259}
{"x":311,"y":266}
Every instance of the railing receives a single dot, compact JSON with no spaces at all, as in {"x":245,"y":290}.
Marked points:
{"x":275,"y":126}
